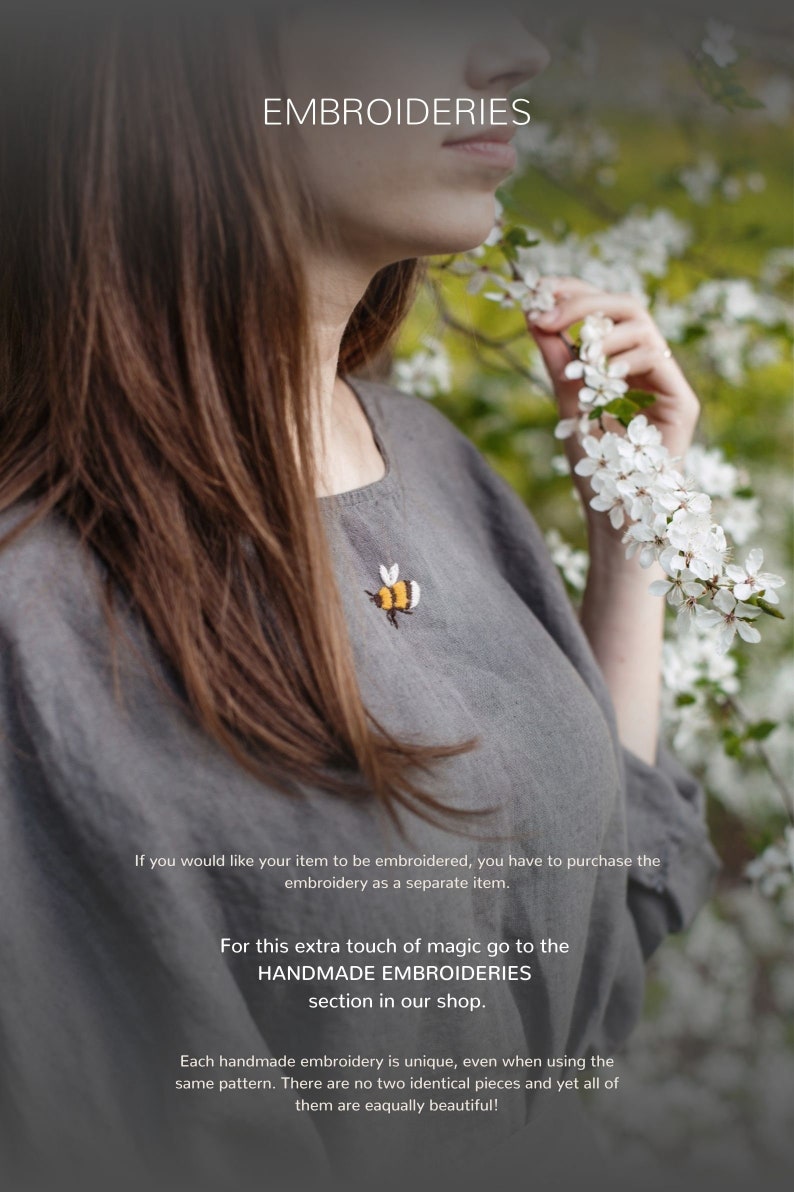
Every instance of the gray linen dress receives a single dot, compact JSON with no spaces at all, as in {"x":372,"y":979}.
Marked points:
{"x":112,"y":972}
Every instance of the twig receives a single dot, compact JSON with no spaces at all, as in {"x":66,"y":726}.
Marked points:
{"x":480,"y":341}
{"x":763,"y":754}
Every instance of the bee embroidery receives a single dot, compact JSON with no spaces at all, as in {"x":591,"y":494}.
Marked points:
{"x":396,"y":595}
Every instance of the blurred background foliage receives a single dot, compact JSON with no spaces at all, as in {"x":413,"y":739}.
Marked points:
{"x":695,"y":124}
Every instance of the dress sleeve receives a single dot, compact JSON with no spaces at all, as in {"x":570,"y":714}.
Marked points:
{"x":661,"y":815}
{"x":665,"y":819}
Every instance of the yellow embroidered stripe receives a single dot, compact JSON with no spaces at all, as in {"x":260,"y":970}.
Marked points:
{"x":401,"y":596}
{"x":385,"y":597}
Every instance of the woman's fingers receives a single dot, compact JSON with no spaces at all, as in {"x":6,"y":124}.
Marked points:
{"x":634,"y":347}
{"x":631,"y":334}
{"x":566,"y":287}
{"x":637,"y":361}
{"x":570,"y":310}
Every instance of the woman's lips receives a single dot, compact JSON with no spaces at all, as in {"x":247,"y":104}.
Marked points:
{"x":491,"y":148}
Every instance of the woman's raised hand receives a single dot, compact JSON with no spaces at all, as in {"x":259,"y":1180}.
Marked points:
{"x":635,"y":347}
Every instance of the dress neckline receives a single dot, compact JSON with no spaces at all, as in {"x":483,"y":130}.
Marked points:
{"x":385,"y":484}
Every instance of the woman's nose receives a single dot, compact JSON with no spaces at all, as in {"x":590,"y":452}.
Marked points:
{"x":505,"y":54}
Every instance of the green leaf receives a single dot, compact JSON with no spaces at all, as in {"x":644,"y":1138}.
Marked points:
{"x":518,"y":238}
{"x":771,"y":610}
{"x":622,"y":408}
{"x":684,"y":699}
{"x":732,"y":743}
{"x":640,"y":398}
{"x":760,"y":730}
{"x":721,"y":83}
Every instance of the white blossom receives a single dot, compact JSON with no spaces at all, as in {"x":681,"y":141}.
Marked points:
{"x":529,"y":291}
{"x":741,"y":518}
{"x":762,"y":353}
{"x":672,"y":318}
{"x":681,"y":589}
{"x":665,"y":515}
{"x":642,"y":444}
{"x":773,"y":870}
{"x":689,"y":663}
{"x":427,"y":372}
{"x":696,"y":544}
{"x":600,"y":387}
{"x":478,"y":277}
{"x":678,"y":495}
{"x":646,"y":539}
{"x":565,"y":428}
{"x":718,"y":43}
{"x":700,"y":178}
{"x":578,"y":150}
{"x":751,"y":581}
{"x":779,"y":264}
{"x":539,"y":297}
{"x":594,"y":330}
{"x":730,"y":617}
{"x":776,"y":93}
{"x":609,"y":500}
{"x":732,"y":188}
{"x":709,"y":470}
{"x":600,"y":455}
{"x":615,"y":259}
{"x":572,"y":563}
{"x":672,"y":511}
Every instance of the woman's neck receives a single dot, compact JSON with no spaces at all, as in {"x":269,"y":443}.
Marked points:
{"x":346,"y":453}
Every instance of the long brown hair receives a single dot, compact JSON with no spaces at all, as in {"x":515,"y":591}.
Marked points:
{"x":153,"y":373}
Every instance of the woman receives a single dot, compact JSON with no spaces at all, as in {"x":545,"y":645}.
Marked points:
{"x":201,"y":507}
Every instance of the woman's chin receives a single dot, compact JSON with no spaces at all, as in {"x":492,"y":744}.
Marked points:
{"x":457,"y":236}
